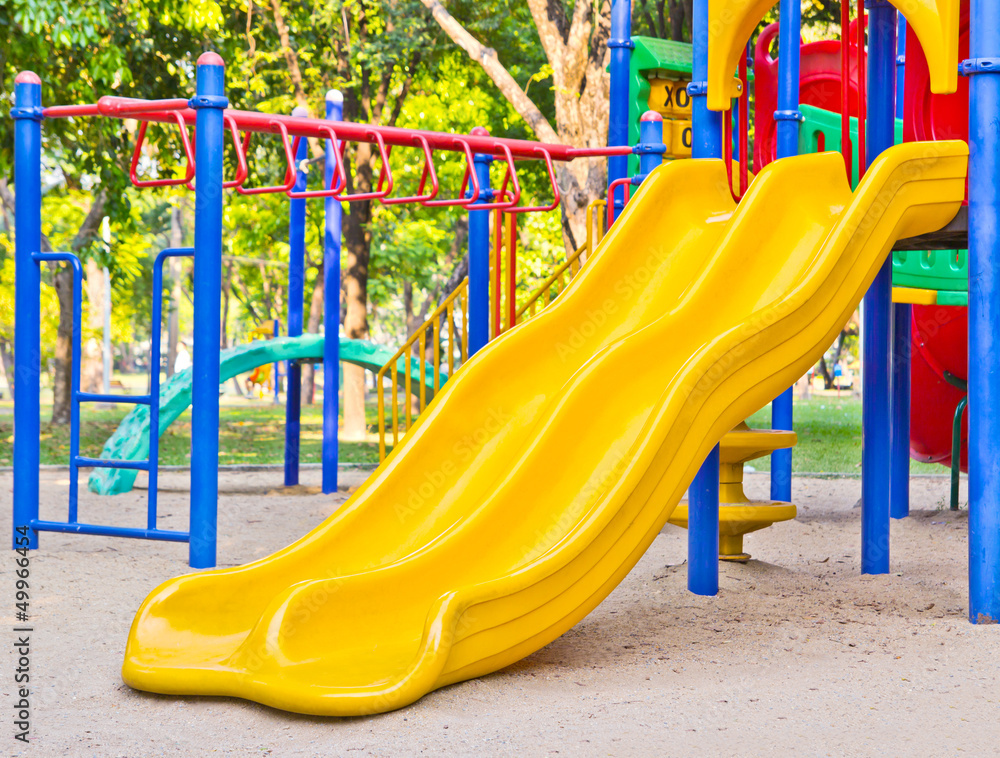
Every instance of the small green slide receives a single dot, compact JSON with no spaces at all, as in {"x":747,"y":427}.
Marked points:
{"x":130,"y":441}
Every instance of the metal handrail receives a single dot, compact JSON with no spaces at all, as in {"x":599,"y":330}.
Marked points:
{"x":458,"y":297}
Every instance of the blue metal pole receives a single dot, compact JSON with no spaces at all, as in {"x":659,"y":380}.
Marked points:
{"x":27,"y":115}
{"x":900,"y":66}
{"x":703,"y":495}
{"x":479,"y":256}
{"x":703,"y":528}
{"x":984,"y":311}
{"x":331,"y":305}
{"x":706,"y":125}
{"x":620,"y":45}
{"x":209,"y":102}
{"x":899,"y":484}
{"x":296,"y":304}
{"x":878,"y":315}
{"x":788,"y":118}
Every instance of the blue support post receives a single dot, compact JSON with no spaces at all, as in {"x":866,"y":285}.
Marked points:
{"x":332,"y":211}
{"x":788,"y":119}
{"x":984,"y":311}
{"x":878,"y":315}
{"x":703,"y":496}
{"x":209,"y":103}
{"x":703,"y":528}
{"x":479,"y":256}
{"x":27,"y":115}
{"x":620,"y":44}
{"x":296,"y":305}
{"x":900,"y":66}
{"x":899,"y":484}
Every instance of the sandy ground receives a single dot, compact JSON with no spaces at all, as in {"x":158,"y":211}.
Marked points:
{"x":799,"y":654}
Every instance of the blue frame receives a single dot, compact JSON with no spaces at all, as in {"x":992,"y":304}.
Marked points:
{"x":984,"y":311}
{"x":876,"y":377}
{"x":332,"y":216}
{"x":72,"y":524}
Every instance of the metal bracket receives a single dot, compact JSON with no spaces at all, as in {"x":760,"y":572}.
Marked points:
{"x":209,"y":101}
{"x":979,"y":66}
{"x":789,"y":116}
{"x":696,"y":89}
{"x":33,"y":113}
{"x":621,"y":43}
{"x":649,"y":148}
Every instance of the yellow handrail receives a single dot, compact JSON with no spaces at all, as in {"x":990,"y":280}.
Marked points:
{"x":458,"y":298}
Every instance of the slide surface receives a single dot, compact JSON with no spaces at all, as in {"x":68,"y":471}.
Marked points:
{"x":130,"y":440}
{"x":540,"y":474}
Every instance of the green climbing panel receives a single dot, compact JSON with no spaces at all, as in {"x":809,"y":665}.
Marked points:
{"x":130,"y":440}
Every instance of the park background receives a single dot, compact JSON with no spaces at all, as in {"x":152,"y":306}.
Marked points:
{"x":523,"y":69}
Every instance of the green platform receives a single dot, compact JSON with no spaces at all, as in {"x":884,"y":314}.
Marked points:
{"x":130,"y":441}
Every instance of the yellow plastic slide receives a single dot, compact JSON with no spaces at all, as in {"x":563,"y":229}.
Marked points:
{"x":537,"y":478}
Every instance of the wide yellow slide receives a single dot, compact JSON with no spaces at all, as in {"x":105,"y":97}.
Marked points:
{"x":548,"y":464}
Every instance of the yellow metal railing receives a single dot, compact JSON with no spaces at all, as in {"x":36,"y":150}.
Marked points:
{"x":545,"y":293}
{"x":453,"y":348}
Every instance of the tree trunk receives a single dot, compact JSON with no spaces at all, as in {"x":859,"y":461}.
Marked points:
{"x":358,"y":244}
{"x":7,"y":363}
{"x":91,"y":368}
{"x":174,"y":302}
{"x":61,"y":385}
{"x":315,"y":317}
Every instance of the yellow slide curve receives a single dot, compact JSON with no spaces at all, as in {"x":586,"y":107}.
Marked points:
{"x":537,"y":478}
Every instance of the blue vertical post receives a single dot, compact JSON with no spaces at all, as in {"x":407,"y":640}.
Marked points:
{"x":984,"y":311}
{"x":787,"y":119}
{"x":703,"y":528}
{"x":296,"y":304}
{"x":479,"y":255}
{"x":899,"y":484}
{"x":703,"y":496}
{"x":620,"y":44}
{"x":27,"y":115}
{"x":209,"y":102}
{"x":332,"y":211}
{"x":900,"y":66}
{"x":876,"y":371}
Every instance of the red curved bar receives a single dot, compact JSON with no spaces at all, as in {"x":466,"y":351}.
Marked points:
{"x":556,"y":195}
{"x":428,"y":171}
{"x":384,"y":173}
{"x":338,"y":171}
{"x":189,"y":154}
{"x":470,"y":173}
{"x":289,"y":172}
{"x":511,"y":176}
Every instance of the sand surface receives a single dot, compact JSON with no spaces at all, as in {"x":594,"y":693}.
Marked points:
{"x":799,"y":654}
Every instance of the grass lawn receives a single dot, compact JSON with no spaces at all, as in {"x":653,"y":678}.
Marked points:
{"x":829,"y":430}
{"x":249,"y":433}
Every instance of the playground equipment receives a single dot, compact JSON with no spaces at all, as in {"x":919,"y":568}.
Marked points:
{"x":451,"y":340}
{"x":738,"y":515}
{"x":130,"y":441}
{"x":519,"y":499}
{"x":215,"y":125}
{"x":514,"y":507}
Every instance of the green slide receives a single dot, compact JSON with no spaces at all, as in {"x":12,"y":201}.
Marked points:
{"x":130,"y":441}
